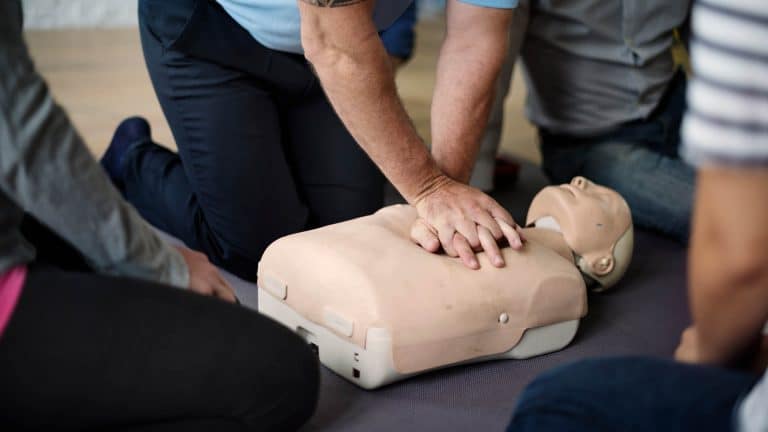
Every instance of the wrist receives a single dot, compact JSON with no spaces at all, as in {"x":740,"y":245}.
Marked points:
{"x":428,"y":186}
{"x":179,"y":268}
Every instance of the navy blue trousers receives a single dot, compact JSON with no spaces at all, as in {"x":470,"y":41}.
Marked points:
{"x":262,"y":153}
{"x":400,"y":37}
{"x":631,"y":394}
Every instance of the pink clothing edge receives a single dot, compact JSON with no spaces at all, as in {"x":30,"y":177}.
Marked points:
{"x":11,"y":284}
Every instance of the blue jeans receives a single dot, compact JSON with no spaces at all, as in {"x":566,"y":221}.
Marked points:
{"x":631,"y":394}
{"x":639,"y":160}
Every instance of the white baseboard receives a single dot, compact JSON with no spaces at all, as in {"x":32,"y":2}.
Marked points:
{"x":55,"y":14}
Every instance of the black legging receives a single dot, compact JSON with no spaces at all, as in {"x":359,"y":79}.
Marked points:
{"x":89,"y":352}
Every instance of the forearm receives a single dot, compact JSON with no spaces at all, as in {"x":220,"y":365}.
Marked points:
{"x":470,"y":61}
{"x":354,"y":70}
{"x":728,"y":275}
{"x":344,"y":47}
{"x":46,"y":170}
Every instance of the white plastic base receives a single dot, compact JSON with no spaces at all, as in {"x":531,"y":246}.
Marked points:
{"x":372,"y":367}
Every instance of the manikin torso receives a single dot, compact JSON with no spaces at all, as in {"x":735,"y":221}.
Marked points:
{"x":367,"y":274}
{"x":355,"y":276}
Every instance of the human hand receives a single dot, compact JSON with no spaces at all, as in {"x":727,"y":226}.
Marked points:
{"x":204,"y":277}
{"x":688,"y":350}
{"x":463,"y":220}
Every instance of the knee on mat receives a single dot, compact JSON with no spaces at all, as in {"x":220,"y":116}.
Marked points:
{"x":567,"y":385}
{"x":555,"y":396}
{"x":303,"y":381}
{"x":296,"y":374}
{"x":240,"y":255}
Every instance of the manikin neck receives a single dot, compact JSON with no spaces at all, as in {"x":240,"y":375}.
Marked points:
{"x":546,"y":232}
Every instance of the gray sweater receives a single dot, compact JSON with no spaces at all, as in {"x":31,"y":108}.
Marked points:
{"x":46,"y":171}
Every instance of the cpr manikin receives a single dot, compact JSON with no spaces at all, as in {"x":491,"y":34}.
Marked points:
{"x":378,"y":308}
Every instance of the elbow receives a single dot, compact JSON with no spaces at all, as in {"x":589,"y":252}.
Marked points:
{"x":320,"y":49}
{"x":327,"y":51}
{"x":324,"y":56}
{"x":315,"y":46}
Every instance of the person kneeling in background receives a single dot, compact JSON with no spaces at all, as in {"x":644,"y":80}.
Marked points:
{"x":716,"y":385}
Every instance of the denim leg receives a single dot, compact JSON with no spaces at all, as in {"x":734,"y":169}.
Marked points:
{"x":658,"y":188}
{"x":631,"y":394}
{"x":639,"y":160}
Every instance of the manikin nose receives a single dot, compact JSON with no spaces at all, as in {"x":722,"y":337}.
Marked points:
{"x":580,"y":182}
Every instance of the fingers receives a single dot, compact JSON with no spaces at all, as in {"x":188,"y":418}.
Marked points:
{"x":445,"y":233}
{"x":484,"y":219}
{"x":459,"y":246}
{"x":512,"y":234}
{"x":214,"y":286}
{"x":520,"y":233}
{"x":422,"y":235}
{"x":465,"y":252}
{"x":499,"y":213}
{"x":468,"y":229}
{"x":223,"y":290}
{"x":490,"y":246}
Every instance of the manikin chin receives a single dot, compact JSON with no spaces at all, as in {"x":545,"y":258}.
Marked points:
{"x":378,"y":308}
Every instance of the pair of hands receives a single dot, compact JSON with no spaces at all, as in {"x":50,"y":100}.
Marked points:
{"x":461,"y":221}
{"x":455,"y":217}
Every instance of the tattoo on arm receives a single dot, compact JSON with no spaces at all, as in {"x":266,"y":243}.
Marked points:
{"x":332,"y":3}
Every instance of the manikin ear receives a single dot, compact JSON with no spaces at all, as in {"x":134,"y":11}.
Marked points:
{"x":603,"y":265}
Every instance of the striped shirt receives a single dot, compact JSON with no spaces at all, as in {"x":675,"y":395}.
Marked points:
{"x":727,"y":119}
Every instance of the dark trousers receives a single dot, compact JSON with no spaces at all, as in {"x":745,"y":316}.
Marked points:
{"x":400,"y":37}
{"x":262,"y":153}
{"x":90,"y":352}
{"x":631,"y":394}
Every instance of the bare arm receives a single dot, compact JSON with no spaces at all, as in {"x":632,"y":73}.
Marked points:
{"x":470,"y":61}
{"x":342,"y":43}
{"x":729,"y":277}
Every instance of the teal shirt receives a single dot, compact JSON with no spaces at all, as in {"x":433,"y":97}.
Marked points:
{"x":276,"y":24}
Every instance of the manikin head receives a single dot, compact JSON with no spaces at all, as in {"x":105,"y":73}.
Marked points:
{"x":595,"y":222}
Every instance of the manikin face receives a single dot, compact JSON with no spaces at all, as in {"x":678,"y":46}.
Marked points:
{"x":592,"y":219}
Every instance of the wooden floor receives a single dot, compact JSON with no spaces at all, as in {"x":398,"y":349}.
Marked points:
{"x":100,"y":78}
